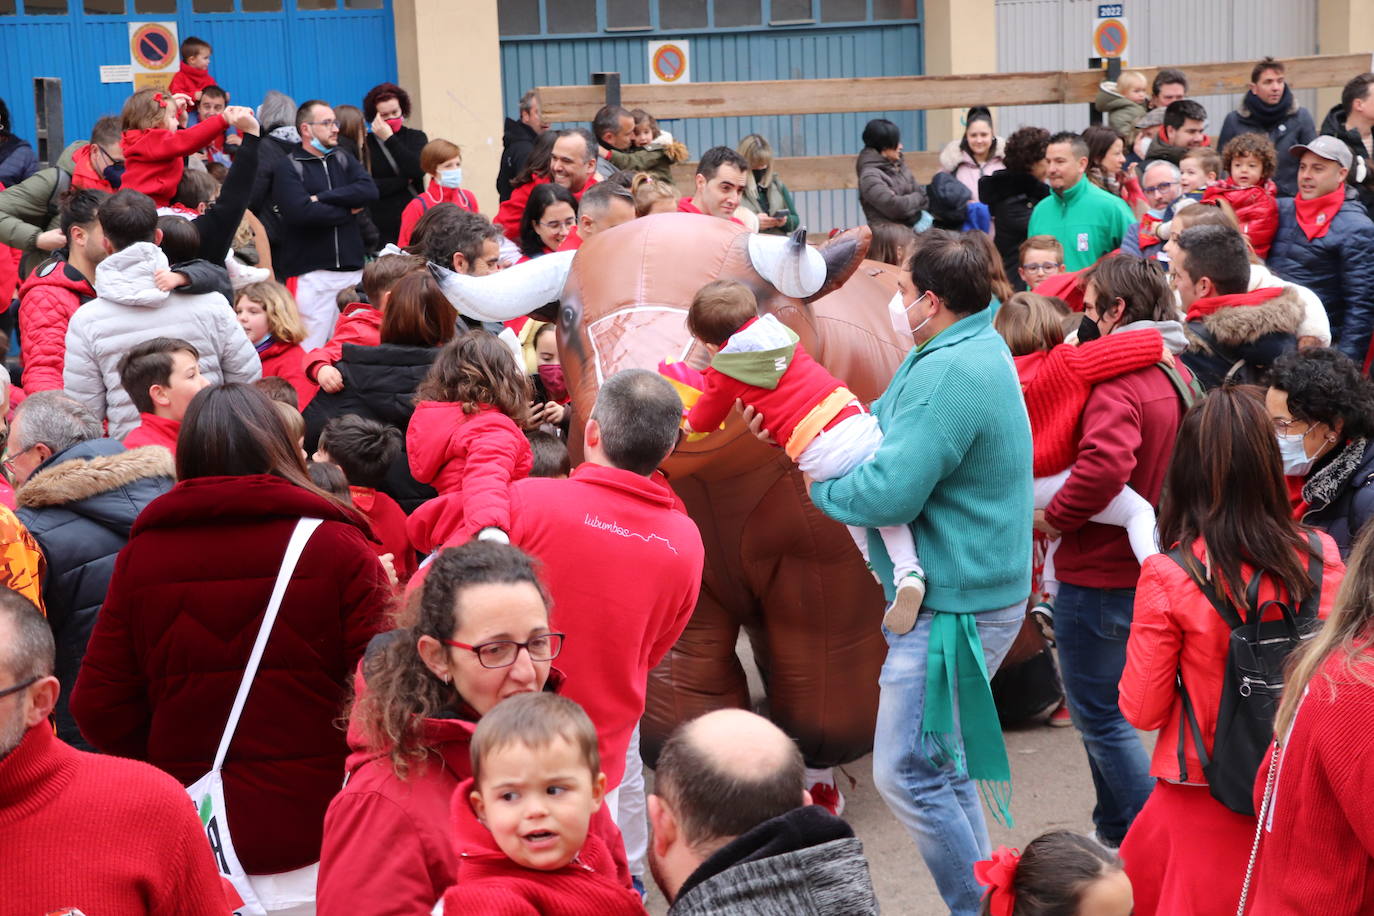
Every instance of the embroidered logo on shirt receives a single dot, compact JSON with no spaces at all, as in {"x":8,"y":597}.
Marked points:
{"x":594,"y":521}
{"x":1082,"y":241}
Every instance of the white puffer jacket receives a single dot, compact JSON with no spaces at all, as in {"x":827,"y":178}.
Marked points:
{"x":129,"y":310}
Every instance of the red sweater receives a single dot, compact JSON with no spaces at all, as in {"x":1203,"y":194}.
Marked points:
{"x":1057,"y":383}
{"x":100,"y":834}
{"x":191,"y":80}
{"x":508,"y":216}
{"x":154,"y":430}
{"x":587,"y":531}
{"x":1128,"y":431}
{"x":419,"y":206}
{"x":491,"y":884}
{"x":1317,"y":855}
{"x":287,"y":361}
{"x":1256,"y":208}
{"x":388,"y":521}
{"x":471,"y":460}
{"x":48,"y":299}
{"x":153,"y":157}
{"x":360,"y":324}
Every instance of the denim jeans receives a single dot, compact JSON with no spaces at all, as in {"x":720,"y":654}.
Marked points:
{"x":938,"y":807}
{"x":1091,"y":626}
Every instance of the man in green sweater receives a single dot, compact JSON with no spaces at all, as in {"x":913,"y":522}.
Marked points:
{"x":955,"y":465}
{"x":1088,"y":221}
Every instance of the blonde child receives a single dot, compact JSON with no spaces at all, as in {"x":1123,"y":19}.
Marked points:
{"x":1123,"y":101}
{"x":268,"y":315}
{"x":653,"y":195}
{"x":1061,"y":873}
{"x":524,"y":821}
{"x":154,"y":149}
{"x":466,"y":440}
{"x":648,"y":136}
{"x":442,"y":161}
{"x":361,"y":322}
{"x":1198,"y":171}
{"x":1250,"y":161}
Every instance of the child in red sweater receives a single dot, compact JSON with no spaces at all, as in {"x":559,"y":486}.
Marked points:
{"x":161,"y":375}
{"x":361,"y":322}
{"x":268,"y":315}
{"x":193,"y":76}
{"x":364,"y":450}
{"x":522,"y":821}
{"x":1250,"y":161}
{"x":1056,"y":379}
{"x":822,"y":426}
{"x":466,"y":440}
{"x":154,"y":148}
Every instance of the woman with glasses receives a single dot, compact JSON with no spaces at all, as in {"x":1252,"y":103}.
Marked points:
{"x":1322,"y":409}
{"x":478,"y":633}
{"x":550,"y":214}
{"x":184,"y":608}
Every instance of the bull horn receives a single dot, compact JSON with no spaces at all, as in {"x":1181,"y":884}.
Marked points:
{"x":791,"y":265}
{"x":509,"y":293}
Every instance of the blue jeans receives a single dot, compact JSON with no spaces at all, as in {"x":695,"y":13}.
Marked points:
{"x":937,"y":806}
{"x":1091,"y":626}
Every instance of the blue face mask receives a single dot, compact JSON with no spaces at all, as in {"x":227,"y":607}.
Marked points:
{"x":451,"y":178}
{"x":320,"y":147}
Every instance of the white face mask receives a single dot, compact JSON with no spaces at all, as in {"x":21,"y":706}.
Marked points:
{"x":451,"y":178}
{"x":1293,"y":451}
{"x":897,"y":312}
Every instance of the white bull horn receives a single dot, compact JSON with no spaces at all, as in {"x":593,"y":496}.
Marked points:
{"x":508,"y":293}
{"x":791,"y":265}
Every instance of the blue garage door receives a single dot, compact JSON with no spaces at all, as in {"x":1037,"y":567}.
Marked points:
{"x":330,"y":49}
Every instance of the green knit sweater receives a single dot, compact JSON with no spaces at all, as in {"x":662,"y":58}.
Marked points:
{"x":955,"y":465}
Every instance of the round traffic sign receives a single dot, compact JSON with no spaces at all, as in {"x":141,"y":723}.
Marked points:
{"x":1109,"y":38}
{"x":153,"y":46}
{"x":669,"y":62}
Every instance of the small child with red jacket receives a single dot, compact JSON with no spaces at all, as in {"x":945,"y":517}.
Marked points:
{"x":1250,"y":161}
{"x":364,"y":450}
{"x":154,"y":148}
{"x":361,"y":322}
{"x":268,"y":315}
{"x":161,"y":375}
{"x":466,"y":440}
{"x":522,"y":822}
{"x":193,"y":76}
{"x":809,"y":412}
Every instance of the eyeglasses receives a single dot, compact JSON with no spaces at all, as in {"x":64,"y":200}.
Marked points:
{"x":503,"y":652}
{"x":1043,"y":268}
{"x":556,"y":224}
{"x":8,"y":463}
{"x":18,"y":687}
{"x":1284,"y":426}
{"x":1160,"y":188}
{"x":330,"y":123}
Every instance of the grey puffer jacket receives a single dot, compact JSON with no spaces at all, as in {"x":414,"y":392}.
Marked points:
{"x":805,"y":863}
{"x":888,"y":192}
{"x":129,"y":310}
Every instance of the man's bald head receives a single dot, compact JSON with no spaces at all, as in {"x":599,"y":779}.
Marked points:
{"x":725,"y":773}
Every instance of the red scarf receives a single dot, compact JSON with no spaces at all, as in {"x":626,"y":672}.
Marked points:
{"x":198,"y":78}
{"x":1315,"y":215}
{"x":1201,"y":308}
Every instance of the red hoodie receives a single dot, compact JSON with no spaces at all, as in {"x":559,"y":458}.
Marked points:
{"x":153,"y":157}
{"x":508,"y":216}
{"x":360,"y":324}
{"x":471,"y":459}
{"x":48,"y":299}
{"x":154,"y":430}
{"x":388,"y":521}
{"x":587,"y":532}
{"x":490,"y":883}
{"x":287,"y":361}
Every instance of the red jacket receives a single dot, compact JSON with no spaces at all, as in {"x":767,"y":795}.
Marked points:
{"x":9,"y":272}
{"x":1175,"y":628}
{"x":419,"y":206}
{"x":167,"y":654}
{"x":491,"y":884}
{"x":1317,"y":853}
{"x":586,"y":531}
{"x":471,"y":459}
{"x":360,"y":324}
{"x":154,"y":430}
{"x":191,"y":81}
{"x":1128,"y":431}
{"x":388,"y":521}
{"x":153,"y":158}
{"x":143,"y":850}
{"x":1256,"y":208}
{"x":1057,"y":382}
{"x":388,"y":843}
{"x":47,"y":301}
{"x":508,"y":216}
{"x":287,"y":361}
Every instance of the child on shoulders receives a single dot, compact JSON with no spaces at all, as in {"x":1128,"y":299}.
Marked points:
{"x":1250,"y":161}
{"x":364,"y":450}
{"x":193,"y":76}
{"x":161,"y":376}
{"x":647,"y":137}
{"x":154,"y":149}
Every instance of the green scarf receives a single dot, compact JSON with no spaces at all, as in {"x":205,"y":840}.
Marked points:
{"x":955,"y":669}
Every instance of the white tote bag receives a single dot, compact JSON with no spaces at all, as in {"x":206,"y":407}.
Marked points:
{"x":208,"y":792}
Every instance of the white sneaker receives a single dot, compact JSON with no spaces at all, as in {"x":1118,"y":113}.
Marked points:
{"x":906,"y":606}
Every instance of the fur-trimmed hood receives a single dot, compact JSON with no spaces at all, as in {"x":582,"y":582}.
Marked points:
{"x":1237,"y":325}
{"x":953,"y":156}
{"x":67,"y":481}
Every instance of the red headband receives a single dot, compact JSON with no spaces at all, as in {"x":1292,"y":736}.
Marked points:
{"x":998,"y":874}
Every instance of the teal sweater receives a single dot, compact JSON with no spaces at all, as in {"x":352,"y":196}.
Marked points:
{"x":955,"y":465}
{"x":1088,"y":221}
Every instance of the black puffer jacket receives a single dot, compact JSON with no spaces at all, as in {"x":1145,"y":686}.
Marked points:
{"x":1338,"y":493}
{"x":79,"y":505}
{"x":1010,"y":197}
{"x":1333,"y":125}
{"x":379,"y":384}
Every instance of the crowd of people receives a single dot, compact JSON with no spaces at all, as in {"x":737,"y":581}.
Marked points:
{"x":288,"y":529}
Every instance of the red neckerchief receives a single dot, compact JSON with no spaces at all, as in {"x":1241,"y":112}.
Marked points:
{"x":1315,"y":215}
{"x":1201,"y":308}
{"x":1149,"y":226}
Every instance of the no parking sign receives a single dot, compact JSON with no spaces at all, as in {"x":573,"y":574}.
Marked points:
{"x":1110,"y":34}
{"x":153,"y":49}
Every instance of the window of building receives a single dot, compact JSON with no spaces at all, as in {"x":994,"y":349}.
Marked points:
{"x":7,"y":8}
{"x":45,"y":7}
{"x":262,"y":6}
{"x":894,"y":9}
{"x":571,"y":16}
{"x":212,"y":6}
{"x":362,"y":4}
{"x":844,"y":10}
{"x":626,"y":15}
{"x":165,"y":7}
{"x":682,"y":14}
{"x":104,"y":7}
{"x":317,"y":4}
{"x":790,"y":11}
{"x":732,"y":13}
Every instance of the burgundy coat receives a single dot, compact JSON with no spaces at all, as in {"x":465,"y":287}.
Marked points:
{"x":169,"y":647}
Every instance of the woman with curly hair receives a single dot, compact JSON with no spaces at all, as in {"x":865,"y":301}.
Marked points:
{"x":1322,"y":408}
{"x":392,"y":154}
{"x":1013,"y":192}
{"x":1107,"y":166}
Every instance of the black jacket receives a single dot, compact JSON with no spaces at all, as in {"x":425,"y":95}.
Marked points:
{"x":379,"y":383}
{"x":218,"y":224}
{"x":395,"y":186}
{"x":1010,"y":197}
{"x":80,"y":505}
{"x":1333,"y":125}
{"x":1338,"y":492}
{"x":516,"y":144}
{"x":323,"y":233}
{"x":1287,"y":127}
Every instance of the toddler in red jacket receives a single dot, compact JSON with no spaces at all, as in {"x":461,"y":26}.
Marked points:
{"x":193,"y":76}
{"x":818,"y":421}
{"x":361,"y":322}
{"x":522,"y":821}
{"x":364,"y":450}
{"x":1250,"y":161}
{"x":268,"y":315}
{"x":161,"y":375}
{"x":1056,"y":379}
{"x":154,"y":149}
{"x":466,"y":440}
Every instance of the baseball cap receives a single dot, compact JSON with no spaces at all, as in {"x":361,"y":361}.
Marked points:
{"x":1326,"y":147}
{"x":1152,"y":118}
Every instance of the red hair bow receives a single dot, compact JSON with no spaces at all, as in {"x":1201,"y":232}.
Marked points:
{"x":161,"y":102}
{"x":998,"y":874}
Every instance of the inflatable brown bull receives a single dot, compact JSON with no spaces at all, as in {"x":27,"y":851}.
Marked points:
{"x":775,"y":566}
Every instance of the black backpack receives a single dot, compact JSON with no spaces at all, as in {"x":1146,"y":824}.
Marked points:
{"x":1255,"y":663}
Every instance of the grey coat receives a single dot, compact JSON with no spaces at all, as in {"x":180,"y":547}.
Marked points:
{"x":888,"y":192}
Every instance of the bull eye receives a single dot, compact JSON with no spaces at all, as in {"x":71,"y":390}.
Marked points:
{"x":568,"y":315}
